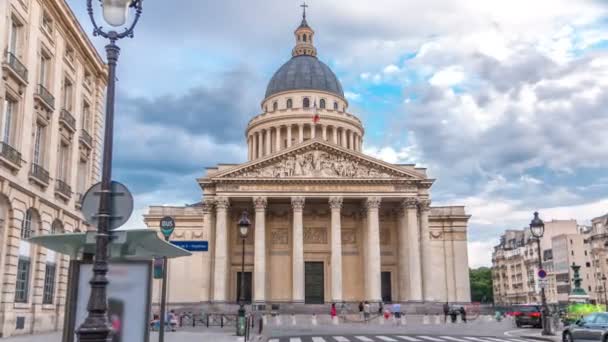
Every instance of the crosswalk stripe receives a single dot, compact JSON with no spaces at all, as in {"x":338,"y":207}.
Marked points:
{"x":341,"y":339}
{"x":318,"y":339}
{"x":409,"y":338}
{"x":476,"y":339}
{"x":364,"y":339}
{"x":434,"y":339}
{"x":295,"y":339}
{"x":453,"y":338}
{"x":273,"y":340}
{"x":386,"y":338}
{"x":517,"y":340}
{"x":496,"y":339}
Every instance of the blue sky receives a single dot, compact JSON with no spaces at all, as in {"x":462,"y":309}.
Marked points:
{"x":504,"y":102}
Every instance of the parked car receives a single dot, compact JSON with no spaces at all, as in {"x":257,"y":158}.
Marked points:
{"x":528,"y":315}
{"x":593,"y":327}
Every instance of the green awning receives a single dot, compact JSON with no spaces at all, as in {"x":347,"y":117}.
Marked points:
{"x":127,"y":244}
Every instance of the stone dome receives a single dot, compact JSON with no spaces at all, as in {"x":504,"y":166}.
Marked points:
{"x":304,"y":72}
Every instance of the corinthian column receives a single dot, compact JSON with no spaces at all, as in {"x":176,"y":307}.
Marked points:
{"x":259,"y":266}
{"x":300,"y":133}
{"x":207,"y":235}
{"x":298,"y":250}
{"x":220,"y":277}
{"x":335,"y":203}
{"x":410,"y":206}
{"x":289,"y":135}
{"x":373,"y":246}
{"x":278,"y":138}
{"x":268,"y":144}
{"x":427,"y":253}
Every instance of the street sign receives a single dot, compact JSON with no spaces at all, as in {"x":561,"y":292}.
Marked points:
{"x":193,"y":246}
{"x":121,"y":208}
{"x":542,"y":274}
{"x":167,"y":226}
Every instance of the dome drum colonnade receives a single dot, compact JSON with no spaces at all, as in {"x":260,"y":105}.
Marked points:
{"x":304,"y":101}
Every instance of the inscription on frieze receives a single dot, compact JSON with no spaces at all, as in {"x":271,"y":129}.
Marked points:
{"x":315,"y":236}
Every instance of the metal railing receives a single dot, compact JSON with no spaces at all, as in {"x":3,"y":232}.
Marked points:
{"x":10,"y":153}
{"x":66,"y":117}
{"x":15,"y":64}
{"x":46,"y":96}
{"x":86,"y":138}
{"x":40,"y":173}
{"x":63,"y":188}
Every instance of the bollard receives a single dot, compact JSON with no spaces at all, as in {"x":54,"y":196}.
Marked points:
{"x":314,"y":319}
{"x":261,"y":325}
{"x":335,"y":320}
{"x":403,"y":320}
{"x":458,"y":319}
{"x":277,"y":319}
{"x":293,"y":319}
{"x":425,"y":319}
{"x":437,"y":319}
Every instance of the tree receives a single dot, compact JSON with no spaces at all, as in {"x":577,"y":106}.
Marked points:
{"x":481,"y":285}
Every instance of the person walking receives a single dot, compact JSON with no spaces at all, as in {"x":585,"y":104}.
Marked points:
{"x":366,"y":311}
{"x":463,"y":314}
{"x":446,"y":311}
{"x":396,"y":309}
{"x":332,"y":312}
{"x":361,"y":311}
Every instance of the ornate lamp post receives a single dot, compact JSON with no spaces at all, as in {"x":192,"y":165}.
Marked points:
{"x":537,"y":228}
{"x":243,"y":226}
{"x":96,"y":327}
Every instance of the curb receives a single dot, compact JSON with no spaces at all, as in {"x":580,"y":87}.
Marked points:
{"x":542,"y":338}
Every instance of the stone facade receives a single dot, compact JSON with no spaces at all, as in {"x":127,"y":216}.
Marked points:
{"x":329,"y":223}
{"x":51,"y":100}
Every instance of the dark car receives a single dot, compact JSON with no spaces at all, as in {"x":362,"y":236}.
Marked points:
{"x":527,"y":315}
{"x":593,"y":327}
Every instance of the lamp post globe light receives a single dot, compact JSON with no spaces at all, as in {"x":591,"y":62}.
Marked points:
{"x":96,"y":327}
{"x":537,"y":228}
{"x":243,"y":227}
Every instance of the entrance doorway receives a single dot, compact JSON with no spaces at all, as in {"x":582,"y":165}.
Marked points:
{"x":314,"y":283}
{"x":387,"y":296}
{"x":247,"y":294}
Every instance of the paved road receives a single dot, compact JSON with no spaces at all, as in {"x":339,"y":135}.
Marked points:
{"x":397,"y":338}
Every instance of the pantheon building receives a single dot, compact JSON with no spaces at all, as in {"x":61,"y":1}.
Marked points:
{"x":329,"y":223}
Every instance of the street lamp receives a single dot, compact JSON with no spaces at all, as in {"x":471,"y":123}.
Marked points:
{"x":96,"y":327}
{"x":537,"y":228}
{"x":603,"y":279}
{"x":243,"y":226}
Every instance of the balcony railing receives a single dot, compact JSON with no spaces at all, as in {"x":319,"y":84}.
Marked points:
{"x":40,"y":174}
{"x":46,"y":96}
{"x":10,"y":153}
{"x":78,"y":202}
{"x":67,"y":119}
{"x":63,"y":188}
{"x":86,"y":138}
{"x":16,"y":66}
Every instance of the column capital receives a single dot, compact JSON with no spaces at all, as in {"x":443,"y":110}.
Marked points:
{"x":260,"y":203}
{"x":222,"y":202}
{"x":409,"y":203}
{"x":208,"y":205}
{"x":424,"y":204}
{"x":297,"y":203}
{"x":373,"y":202}
{"x":335,"y":202}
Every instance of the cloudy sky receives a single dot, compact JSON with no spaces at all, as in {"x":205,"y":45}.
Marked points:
{"x":504,"y":101}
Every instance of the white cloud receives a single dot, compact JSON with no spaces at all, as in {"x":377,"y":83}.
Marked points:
{"x":352,"y":96}
{"x":391,"y":69}
{"x":480,"y":253}
{"x":448,"y":77}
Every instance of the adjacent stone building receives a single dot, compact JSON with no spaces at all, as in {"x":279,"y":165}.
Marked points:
{"x":329,"y":222}
{"x":51,"y":103}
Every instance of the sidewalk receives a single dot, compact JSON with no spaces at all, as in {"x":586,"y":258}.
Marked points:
{"x":226,"y":335}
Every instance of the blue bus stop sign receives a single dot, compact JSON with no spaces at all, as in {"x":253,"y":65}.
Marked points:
{"x":167,"y":225}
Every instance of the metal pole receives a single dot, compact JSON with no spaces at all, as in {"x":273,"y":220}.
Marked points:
{"x":96,"y":327}
{"x":163,"y":300}
{"x":545,"y":310}
{"x":241,"y":313}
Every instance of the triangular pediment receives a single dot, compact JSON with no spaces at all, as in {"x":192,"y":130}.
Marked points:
{"x":318,"y":160}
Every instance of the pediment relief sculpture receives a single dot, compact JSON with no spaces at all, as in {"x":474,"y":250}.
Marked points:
{"x":318,"y":163}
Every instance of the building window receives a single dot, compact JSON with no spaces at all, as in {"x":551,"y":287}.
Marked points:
{"x":49,"y":284}
{"x":86,"y":116}
{"x":56,"y":227}
{"x":588,"y":264}
{"x":289,"y":103}
{"x":69,"y":54}
{"x":68,"y":94}
{"x":306,"y":102}
{"x":14,"y":37}
{"x":82,"y":177}
{"x":63,"y":163}
{"x":39,"y":136}
{"x":304,"y":38}
{"x":275,"y":106}
{"x":335,"y":105}
{"x":8,"y":118}
{"x":322,"y":103}
{"x":26,"y":225}
{"x":23,"y":279}
{"x":47,"y":23}
{"x":45,"y":65}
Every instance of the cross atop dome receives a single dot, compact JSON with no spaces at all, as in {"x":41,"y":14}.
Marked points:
{"x":304,"y":37}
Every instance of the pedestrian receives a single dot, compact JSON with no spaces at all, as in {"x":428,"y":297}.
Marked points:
{"x":446,"y":311}
{"x":361,"y":316}
{"x":172,"y":320}
{"x":396,"y":312}
{"x":366,"y":311}
{"x":453,"y":315}
{"x":332,"y":311}
{"x":380,"y":308}
{"x":463,"y":314}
